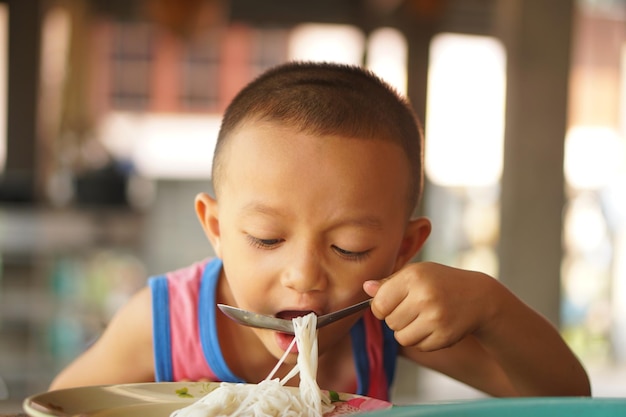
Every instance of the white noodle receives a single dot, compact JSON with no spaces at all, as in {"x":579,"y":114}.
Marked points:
{"x":270,"y":398}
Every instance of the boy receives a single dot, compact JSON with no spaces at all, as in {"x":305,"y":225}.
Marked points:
{"x":317,"y":171}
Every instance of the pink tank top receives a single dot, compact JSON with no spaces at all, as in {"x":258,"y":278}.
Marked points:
{"x":186,"y":346}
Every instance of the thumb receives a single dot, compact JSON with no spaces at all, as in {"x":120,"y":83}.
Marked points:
{"x":371,"y":287}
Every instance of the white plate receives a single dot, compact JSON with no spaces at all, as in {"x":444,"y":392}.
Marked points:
{"x":152,"y":400}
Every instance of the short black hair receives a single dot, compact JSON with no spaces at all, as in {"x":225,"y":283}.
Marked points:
{"x":328,"y":99}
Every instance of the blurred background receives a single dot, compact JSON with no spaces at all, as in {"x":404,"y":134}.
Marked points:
{"x":109,"y":111}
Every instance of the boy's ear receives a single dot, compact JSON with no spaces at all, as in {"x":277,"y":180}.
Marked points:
{"x":206,"y":210}
{"x":417,"y":231}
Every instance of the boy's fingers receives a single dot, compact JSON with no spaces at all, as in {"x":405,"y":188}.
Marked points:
{"x":384,"y":301}
{"x":371,"y":287}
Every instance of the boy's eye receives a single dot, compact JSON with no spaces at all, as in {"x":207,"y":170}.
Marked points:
{"x":356,"y":256}
{"x":263,"y":243}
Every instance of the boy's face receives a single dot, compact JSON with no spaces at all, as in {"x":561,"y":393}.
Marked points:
{"x":302,"y":221}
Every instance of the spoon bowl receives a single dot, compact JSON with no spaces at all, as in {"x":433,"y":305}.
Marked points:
{"x":249,"y":318}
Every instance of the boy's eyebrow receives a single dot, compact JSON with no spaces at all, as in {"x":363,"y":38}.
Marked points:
{"x":258,"y":207}
{"x":370,"y":222}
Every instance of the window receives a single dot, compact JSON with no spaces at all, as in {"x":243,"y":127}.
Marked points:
{"x":594,"y":235}
{"x":327,"y":42}
{"x":269,"y":48}
{"x":131,"y":65}
{"x":200,"y":72}
{"x":464,"y":145}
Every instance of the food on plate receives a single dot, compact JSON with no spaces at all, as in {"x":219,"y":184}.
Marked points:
{"x":271,"y":397}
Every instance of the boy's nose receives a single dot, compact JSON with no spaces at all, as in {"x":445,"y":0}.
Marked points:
{"x":304,"y":274}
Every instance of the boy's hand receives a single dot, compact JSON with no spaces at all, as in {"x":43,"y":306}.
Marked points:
{"x":432,"y":306}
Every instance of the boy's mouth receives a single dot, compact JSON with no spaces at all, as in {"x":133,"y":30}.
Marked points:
{"x":291,"y":314}
{"x":284,"y":339}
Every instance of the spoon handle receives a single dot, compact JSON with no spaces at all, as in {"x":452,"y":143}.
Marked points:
{"x":339,"y":314}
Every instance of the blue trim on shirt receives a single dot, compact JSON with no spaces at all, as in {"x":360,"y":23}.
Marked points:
{"x":207,"y":321}
{"x":361,"y":361}
{"x":161,"y":341}
{"x":390,"y":354}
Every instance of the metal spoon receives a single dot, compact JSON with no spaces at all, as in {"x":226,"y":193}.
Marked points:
{"x":249,"y":318}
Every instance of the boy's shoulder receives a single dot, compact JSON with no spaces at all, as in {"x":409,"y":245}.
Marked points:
{"x":192,"y":272}
{"x":184,"y":285}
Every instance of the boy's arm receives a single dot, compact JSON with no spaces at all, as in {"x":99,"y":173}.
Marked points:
{"x":123,"y":354}
{"x":467,"y":362}
{"x":526,"y":360}
{"x":531,"y":352}
{"x":469,"y":326}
